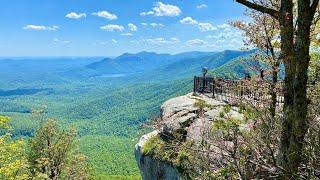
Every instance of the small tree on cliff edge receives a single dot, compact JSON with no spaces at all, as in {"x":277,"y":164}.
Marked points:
{"x":262,"y":32}
{"x":295,"y":31}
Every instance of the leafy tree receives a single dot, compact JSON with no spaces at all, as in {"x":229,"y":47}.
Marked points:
{"x":13,"y":162}
{"x":296,"y":19}
{"x":314,"y":68}
{"x":262,"y":32}
{"x":52,"y":154}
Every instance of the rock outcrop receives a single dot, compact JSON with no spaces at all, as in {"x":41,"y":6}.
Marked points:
{"x":151,"y":168}
{"x":179,"y":115}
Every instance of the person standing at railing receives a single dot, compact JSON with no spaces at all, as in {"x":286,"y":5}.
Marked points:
{"x":204,"y":71}
{"x":262,"y":74}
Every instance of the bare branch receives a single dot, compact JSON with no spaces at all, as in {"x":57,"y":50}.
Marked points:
{"x":272,"y":12}
{"x":313,"y":7}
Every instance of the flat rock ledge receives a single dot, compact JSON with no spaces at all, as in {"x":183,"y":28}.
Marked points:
{"x":178,"y":115}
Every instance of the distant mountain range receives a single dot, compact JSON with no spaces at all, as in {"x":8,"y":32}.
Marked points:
{"x":143,"y":66}
{"x":182,"y":65}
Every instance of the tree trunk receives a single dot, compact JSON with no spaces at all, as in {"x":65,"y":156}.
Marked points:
{"x":288,"y":155}
{"x":295,"y":54}
{"x":295,"y":126}
{"x":274,"y":92}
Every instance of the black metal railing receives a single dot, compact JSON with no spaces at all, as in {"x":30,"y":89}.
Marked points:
{"x":203,"y":84}
{"x":258,"y":92}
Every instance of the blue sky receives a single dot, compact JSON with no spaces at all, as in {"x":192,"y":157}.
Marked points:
{"x":112,"y":27}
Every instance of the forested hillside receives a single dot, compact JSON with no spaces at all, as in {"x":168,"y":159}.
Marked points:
{"x":105,"y":99}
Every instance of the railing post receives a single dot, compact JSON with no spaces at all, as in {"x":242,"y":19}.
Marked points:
{"x":203,"y":83}
{"x":213,"y":87}
{"x":194,"y":84}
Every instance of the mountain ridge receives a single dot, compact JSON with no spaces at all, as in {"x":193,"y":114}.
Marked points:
{"x":150,"y":61}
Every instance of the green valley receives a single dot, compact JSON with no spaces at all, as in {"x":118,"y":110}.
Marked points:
{"x":106,"y":110}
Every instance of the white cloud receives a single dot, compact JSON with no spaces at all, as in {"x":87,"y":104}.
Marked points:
{"x":223,"y":26}
{"x":146,"y":13}
{"x":126,"y":34}
{"x":235,"y":41}
{"x":112,"y":27}
{"x":161,"y":9}
{"x":188,"y":20}
{"x":156,"y":24}
{"x":218,"y":36}
{"x":104,"y":43}
{"x":162,"y":41}
{"x":156,"y":41}
{"x":201,"y":6}
{"x":226,"y":35}
{"x":166,"y":10}
{"x":105,"y":14}
{"x":56,"y":40}
{"x":132,"y":27}
{"x":196,"y":42}
{"x":135,"y":42}
{"x":109,"y":42}
{"x":225,"y":40}
{"x":206,"y":27}
{"x":210,"y":37}
{"x":74,"y":15}
{"x":40,"y":27}
{"x":175,"y":40}
{"x":153,"y":24}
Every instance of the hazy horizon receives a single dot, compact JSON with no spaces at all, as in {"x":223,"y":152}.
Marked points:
{"x":108,"y":56}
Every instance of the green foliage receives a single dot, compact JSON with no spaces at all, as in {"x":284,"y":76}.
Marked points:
{"x":236,"y":68}
{"x":110,"y":155}
{"x":13,"y":162}
{"x":314,"y":67}
{"x":225,"y":123}
{"x":152,"y":146}
{"x":221,"y":114}
{"x":4,"y":122}
{"x":183,"y":158}
{"x":227,"y":108}
{"x":107,"y":118}
{"x":51,"y":154}
{"x":116,"y":177}
{"x":201,"y":104}
{"x":106,"y":112}
{"x":178,"y":154}
{"x":227,"y":172}
{"x":248,"y":112}
{"x":160,"y":149}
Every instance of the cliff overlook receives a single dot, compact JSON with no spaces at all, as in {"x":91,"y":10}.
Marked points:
{"x":185,"y":124}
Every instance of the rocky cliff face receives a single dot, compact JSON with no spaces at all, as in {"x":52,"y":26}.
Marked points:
{"x":179,"y":115}
{"x":151,"y":168}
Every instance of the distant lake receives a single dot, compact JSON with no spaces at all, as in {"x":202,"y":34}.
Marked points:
{"x":112,"y":75}
{"x":117,"y":75}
